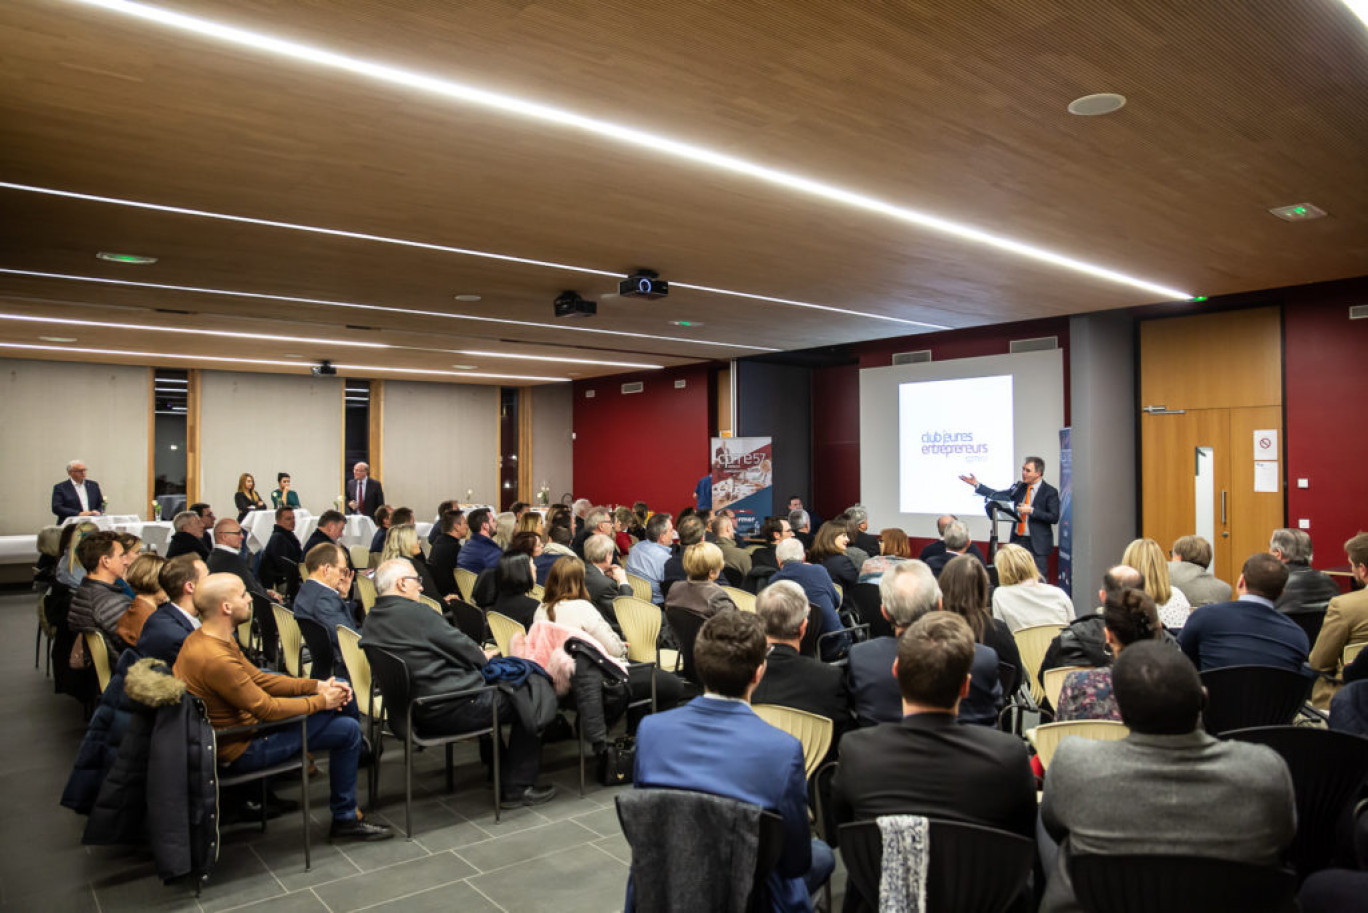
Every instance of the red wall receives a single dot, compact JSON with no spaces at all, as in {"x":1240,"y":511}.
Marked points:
{"x":1325,"y":384}
{"x":650,"y":446}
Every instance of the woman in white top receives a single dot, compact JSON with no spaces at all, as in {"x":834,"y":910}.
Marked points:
{"x":1022,"y":599}
{"x":566,"y":602}
{"x":1148,"y":558}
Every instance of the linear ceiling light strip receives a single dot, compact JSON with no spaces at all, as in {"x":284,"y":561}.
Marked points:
{"x":509,"y":104}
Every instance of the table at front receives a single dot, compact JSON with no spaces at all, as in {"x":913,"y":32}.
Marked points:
{"x":260,"y":523}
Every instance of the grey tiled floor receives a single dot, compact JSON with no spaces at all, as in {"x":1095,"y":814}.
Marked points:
{"x":567,"y":856}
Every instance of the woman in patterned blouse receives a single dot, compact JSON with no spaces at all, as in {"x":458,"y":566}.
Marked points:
{"x":1130,"y":615}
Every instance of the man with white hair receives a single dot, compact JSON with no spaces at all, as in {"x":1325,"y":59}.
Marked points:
{"x":908,"y":591}
{"x":817,"y":586}
{"x":955,"y":538}
{"x":791,"y":679}
{"x":605,"y":580}
{"x":1308,"y":591}
{"x":599,"y":520}
{"x":860,"y":537}
{"x":76,"y":496}
{"x":188,"y":537}
{"x":364,"y":494}
{"x":578,"y":510}
{"x":441,"y":659}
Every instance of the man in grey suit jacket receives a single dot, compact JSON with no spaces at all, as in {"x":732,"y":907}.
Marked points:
{"x":1168,"y":788}
{"x":1190,"y":572}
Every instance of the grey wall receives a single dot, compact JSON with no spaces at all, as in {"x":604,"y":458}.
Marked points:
{"x":441,"y":440}
{"x":1105,"y":470}
{"x":775,"y":401}
{"x":552,"y":440}
{"x":54,"y":412}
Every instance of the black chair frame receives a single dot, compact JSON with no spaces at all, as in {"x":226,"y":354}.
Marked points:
{"x":320,"y":648}
{"x":1242,"y":697}
{"x":1178,"y":884}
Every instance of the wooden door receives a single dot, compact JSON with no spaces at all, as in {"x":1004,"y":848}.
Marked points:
{"x":1171,"y":481}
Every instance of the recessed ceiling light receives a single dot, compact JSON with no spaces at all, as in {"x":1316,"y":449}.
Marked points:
{"x":1298,"y":212}
{"x":1099,"y":103}
{"x":58,"y":338}
{"x":467,"y":297}
{"x":620,"y":133}
{"x":686,"y":323}
{"x":293,"y":356}
{"x":464,"y":367}
{"x":154,"y":328}
{"x":136,"y":259}
{"x":575,"y":361}
{"x":1358,"y":8}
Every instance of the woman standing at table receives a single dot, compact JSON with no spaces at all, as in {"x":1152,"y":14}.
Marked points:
{"x":283,"y":496}
{"x":247,"y":498}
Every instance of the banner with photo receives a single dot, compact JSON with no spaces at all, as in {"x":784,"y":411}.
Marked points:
{"x":1065,"y":580}
{"x":743,"y":480}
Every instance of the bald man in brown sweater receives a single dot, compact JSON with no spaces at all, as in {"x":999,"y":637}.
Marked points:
{"x":237,"y":693}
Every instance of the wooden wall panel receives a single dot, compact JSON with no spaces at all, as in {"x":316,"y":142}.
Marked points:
{"x":1210,"y":361}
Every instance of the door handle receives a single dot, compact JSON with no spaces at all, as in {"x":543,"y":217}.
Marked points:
{"x":1223,"y":508}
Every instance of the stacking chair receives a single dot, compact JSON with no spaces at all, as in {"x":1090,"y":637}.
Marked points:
{"x":1241,"y":697}
{"x":321,"y":660}
{"x":291,"y":640}
{"x":867,"y":601}
{"x":360,"y":556}
{"x":45,"y":629}
{"x":1054,"y":683}
{"x":735,"y":579}
{"x":470,"y":620}
{"x":1047,"y":736}
{"x":503,"y":628}
{"x":813,"y":731}
{"x":465,"y":584}
{"x":641,"y":587}
{"x":392,"y":677}
{"x":367,"y":701}
{"x":1328,"y":769}
{"x":744,"y":601}
{"x":98,"y":651}
{"x":1178,"y":884}
{"x":430,"y":603}
{"x":685,"y":625}
{"x":365,"y":588}
{"x":538,"y":592}
{"x":1032,"y":642}
{"x":972,"y":869}
{"x":640,"y":623}
{"x":246,"y":635}
{"x":662,"y":864}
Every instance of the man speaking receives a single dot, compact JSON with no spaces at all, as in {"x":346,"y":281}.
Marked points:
{"x":1037,"y":503}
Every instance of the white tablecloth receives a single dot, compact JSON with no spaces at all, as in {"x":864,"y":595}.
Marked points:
{"x":155,"y":535}
{"x":259,"y":524}
{"x":106,"y":522}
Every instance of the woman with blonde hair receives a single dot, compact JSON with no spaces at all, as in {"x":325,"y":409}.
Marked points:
{"x":700,"y":593}
{"x":70,"y":572}
{"x":503,"y":528}
{"x":402,"y":542}
{"x":246,"y":498}
{"x":1149,"y":559}
{"x":142,"y":576}
{"x":1022,"y":599}
{"x":894,"y":547}
{"x":531,"y":522}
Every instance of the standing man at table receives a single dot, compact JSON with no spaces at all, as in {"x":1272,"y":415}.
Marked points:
{"x":76,"y":497}
{"x":1037,"y":503}
{"x":364,"y":494}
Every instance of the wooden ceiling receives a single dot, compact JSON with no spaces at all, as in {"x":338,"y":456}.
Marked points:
{"x":951,"y":108}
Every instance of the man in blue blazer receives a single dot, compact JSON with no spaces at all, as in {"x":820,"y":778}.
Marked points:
{"x":716,"y":744}
{"x":1037,"y":502}
{"x":166,"y":629}
{"x":76,"y":497}
{"x":821,"y":592}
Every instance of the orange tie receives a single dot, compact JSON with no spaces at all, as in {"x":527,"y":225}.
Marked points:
{"x":1021,"y":524}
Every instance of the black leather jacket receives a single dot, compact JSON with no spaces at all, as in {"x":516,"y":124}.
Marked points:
{"x":1307,"y":590}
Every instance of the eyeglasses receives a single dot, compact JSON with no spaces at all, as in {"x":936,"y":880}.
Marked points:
{"x":417,"y":580}
{"x":231,"y":532}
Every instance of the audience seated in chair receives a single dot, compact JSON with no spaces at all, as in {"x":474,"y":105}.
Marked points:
{"x":647,"y":559}
{"x":322,"y":598}
{"x":908,"y":591}
{"x":1129,"y":616}
{"x":237,"y":694}
{"x":187,"y":536}
{"x":480,"y":551}
{"x":1022,"y":598}
{"x":1346,"y":622}
{"x":818,"y":586}
{"x":331,"y":524}
{"x":966,"y":591}
{"x":1190,"y":572}
{"x":926,"y":763}
{"x":166,"y":629}
{"x":1147,"y":557}
{"x":1248,"y":631}
{"x":604,"y":580}
{"x":1166,"y":789}
{"x":446,"y":552}
{"x":556,"y":547}
{"x":278,"y":564}
{"x":723,"y":530}
{"x":931,"y":549}
{"x":226,"y":558}
{"x":99,"y":602}
{"x":716,"y":744}
{"x":1307,"y":590}
{"x":700,"y":593}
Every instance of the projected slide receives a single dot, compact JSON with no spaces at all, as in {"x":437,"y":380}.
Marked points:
{"x":947,"y":428}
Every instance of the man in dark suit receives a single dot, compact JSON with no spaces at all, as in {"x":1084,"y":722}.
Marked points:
{"x":226,"y":558}
{"x":446,"y":551}
{"x":597,"y":520}
{"x":926,"y":763}
{"x":820,"y":591}
{"x":188,"y":538}
{"x":364,"y":494}
{"x":800,"y":523}
{"x":331,"y":523}
{"x":716,"y":744}
{"x":932,"y":549}
{"x":207,"y":521}
{"x":1037,"y":503}
{"x":954,"y":542}
{"x":165,"y":629}
{"x":908,"y":591}
{"x":793,"y":680}
{"x":773,"y":531}
{"x":605,"y":580}
{"x":859,"y":518}
{"x":1248,"y":631}
{"x":278,"y":563}
{"x":76,"y":497}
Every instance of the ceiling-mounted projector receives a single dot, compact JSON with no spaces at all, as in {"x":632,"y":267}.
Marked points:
{"x":570,"y":304}
{"x":644,"y":283}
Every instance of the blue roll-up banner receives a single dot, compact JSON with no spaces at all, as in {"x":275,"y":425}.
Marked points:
{"x":743,"y":480}
{"x":1065,"y":512}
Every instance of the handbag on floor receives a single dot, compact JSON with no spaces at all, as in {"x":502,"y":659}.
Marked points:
{"x":616,"y":762}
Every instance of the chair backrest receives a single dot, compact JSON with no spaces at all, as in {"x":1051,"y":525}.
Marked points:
{"x":812,"y":730}
{"x":430,"y":603}
{"x":391,"y":676}
{"x":1046,"y":737}
{"x":358,"y":668}
{"x":685,"y":625}
{"x":1327,"y":768}
{"x":733,"y":576}
{"x":840,"y":595}
{"x":470,"y":620}
{"x":365,"y":588}
{"x":98,"y":651}
{"x":808,"y":645}
{"x":641,"y":587}
{"x":972,"y":869}
{"x":1178,"y":884}
{"x":360,"y":556}
{"x":1240,"y":697}
{"x":538,"y":592}
{"x":744,"y":601}
{"x":654,"y":871}
{"x":1054,"y":682}
{"x":291,"y":640}
{"x":1007,"y":677}
{"x":320,"y":648}
{"x":640,"y":622}
{"x":1351,"y":652}
{"x":503,"y":628}
{"x":866,"y":599}
{"x":465,"y":584}
{"x":244,"y":630}
{"x":1032,"y":643}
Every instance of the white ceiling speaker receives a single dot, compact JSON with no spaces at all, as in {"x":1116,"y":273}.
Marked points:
{"x":1100,"y":103}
